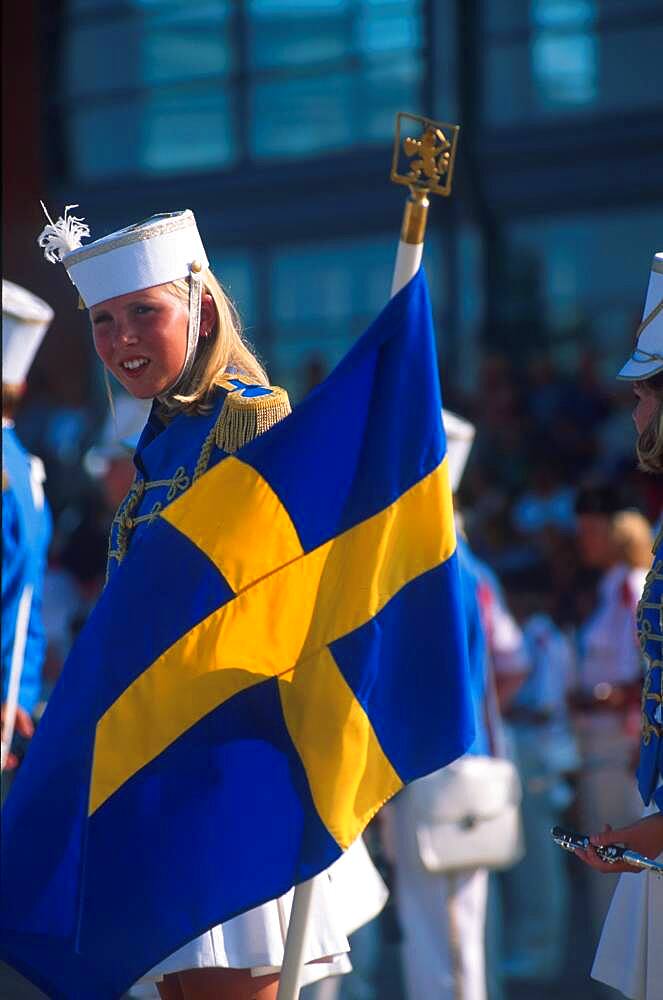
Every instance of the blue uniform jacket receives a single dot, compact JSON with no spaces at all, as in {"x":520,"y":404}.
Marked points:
{"x":169,"y":458}
{"x":477,"y":646}
{"x":26,"y":533}
{"x":650,"y":635}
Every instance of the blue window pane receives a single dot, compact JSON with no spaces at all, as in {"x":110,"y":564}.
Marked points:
{"x":563,"y":13}
{"x":168,"y":131}
{"x":505,"y":15}
{"x":325,"y":295}
{"x":508,"y":95}
{"x":93,"y":140}
{"x":187,"y":53}
{"x":588,"y":280}
{"x":188,"y":131}
{"x":173,"y":11}
{"x":568,"y":72}
{"x":235,"y":270}
{"x":387,"y":88}
{"x":172,"y":66}
{"x":630,"y":64}
{"x":308,"y":115}
{"x":296,"y":8}
{"x":86,"y":73}
{"x":300,"y":34}
{"x":87,"y":6}
{"x":296,"y":116}
{"x":565,"y":69}
{"x":175,"y":45}
{"x":388,"y":27}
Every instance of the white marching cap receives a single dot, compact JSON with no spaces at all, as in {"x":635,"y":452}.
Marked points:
{"x":119,"y":434}
{"x":25,"y":320}
{"x":163,"y":248}
{"x":460,"y":437}
{"x":647,"y":357}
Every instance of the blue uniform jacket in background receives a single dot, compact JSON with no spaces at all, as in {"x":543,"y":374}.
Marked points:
{"x":280,"y":648}
{"x":477,"y":646}
{"x":649,"y":622}
{"x":26,"y":533}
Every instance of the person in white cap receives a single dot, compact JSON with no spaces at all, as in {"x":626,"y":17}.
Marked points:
{"x":26,"y":524}
{"x":442,"y":904}
{"x":630,"y":956}
{"x":164,"y":328}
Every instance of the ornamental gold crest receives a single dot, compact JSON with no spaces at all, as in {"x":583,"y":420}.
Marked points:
{"x":424,"y":153}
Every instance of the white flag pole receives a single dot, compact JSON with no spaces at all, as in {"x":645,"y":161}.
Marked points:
{"x":15,"y":671}
{"x":411,"y":243}
{"x":432,"y":159}
{"x":295,"y":942}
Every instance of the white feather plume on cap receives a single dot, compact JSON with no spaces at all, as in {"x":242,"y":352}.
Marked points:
{"x":57,"y":239}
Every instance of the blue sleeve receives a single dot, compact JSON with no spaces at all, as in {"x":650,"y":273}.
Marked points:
{"x":478,"y":657}
{"x":658,"y":794}
{"x":35,"y":643}
{"x":14,"y":563}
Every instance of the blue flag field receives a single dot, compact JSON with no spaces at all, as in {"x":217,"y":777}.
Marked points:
{"x":275,"y":657}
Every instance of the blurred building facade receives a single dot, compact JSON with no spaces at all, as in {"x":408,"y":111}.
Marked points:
{"x":273,"y":121}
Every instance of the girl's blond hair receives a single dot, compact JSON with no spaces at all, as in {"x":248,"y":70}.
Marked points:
{"x":650,"y":443}
{"x":224,"y":348}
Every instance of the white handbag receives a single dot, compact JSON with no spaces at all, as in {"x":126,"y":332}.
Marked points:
{"x":467,"y":815}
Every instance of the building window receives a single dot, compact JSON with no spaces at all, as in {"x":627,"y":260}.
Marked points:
{"x":580,"y":280}
{"x":324,"y":295}
{"x":564,"y":51}
{"x":557,"y":58}
{"x":158,"y":86}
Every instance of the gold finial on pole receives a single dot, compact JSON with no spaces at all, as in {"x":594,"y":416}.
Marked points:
{"x":425,"y":166}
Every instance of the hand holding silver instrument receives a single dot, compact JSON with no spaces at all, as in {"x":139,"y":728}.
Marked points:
{"x":610,"y":853}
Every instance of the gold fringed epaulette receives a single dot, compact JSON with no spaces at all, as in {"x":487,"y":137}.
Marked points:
{"x":245,"y":414}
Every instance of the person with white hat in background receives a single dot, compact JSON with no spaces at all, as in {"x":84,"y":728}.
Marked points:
{"x":629,"y":956}
{"x":438,"y":832}
{"x":26,"y":525}
{"x":165,"y":329}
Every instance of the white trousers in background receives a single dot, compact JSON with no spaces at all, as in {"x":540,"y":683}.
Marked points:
{"x":442,"y":918}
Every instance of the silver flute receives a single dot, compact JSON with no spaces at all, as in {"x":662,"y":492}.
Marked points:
{"x":611,"y":853}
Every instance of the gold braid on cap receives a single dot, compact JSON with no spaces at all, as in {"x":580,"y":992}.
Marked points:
{"x":648,"y":319}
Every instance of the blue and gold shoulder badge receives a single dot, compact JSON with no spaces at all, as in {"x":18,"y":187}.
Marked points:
{"x":248,"y":410}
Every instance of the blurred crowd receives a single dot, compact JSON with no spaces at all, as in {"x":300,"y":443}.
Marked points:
{"x":560,"y":525}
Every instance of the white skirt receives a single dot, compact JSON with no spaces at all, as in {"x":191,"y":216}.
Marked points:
{"x":629,"y":956}
{"x":345,"y":896}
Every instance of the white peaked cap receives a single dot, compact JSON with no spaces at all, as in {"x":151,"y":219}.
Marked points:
{"x":25,"y":320}
{"x":154,"y":252}
{"x":119,"y":435}
{"x":647,"y":357}
{"x":460,"y":437}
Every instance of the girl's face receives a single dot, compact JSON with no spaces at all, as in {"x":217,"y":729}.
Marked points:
{"x":141,"y":337}
{"x":646,"y":406}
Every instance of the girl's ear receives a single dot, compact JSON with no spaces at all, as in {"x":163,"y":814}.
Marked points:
{"x":207,"y":315}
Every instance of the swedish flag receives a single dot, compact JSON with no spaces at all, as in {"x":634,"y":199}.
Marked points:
{"x":285,"y":642}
